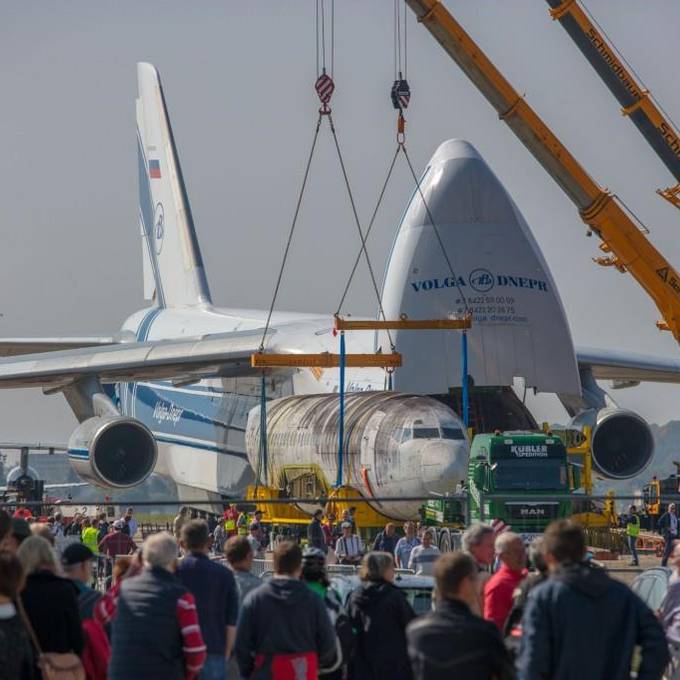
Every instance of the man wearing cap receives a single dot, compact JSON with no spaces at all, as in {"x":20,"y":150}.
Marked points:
{"x":77,"y":562}
{"x":349,"y":547}
{"x":116,"y":543}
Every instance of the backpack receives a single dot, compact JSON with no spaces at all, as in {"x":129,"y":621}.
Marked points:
{"x":345,"y":634}
{"x":96,"y":652}
{"x":344,"y":631}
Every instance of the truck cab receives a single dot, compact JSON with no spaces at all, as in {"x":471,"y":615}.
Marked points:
{"x":519,"y":464}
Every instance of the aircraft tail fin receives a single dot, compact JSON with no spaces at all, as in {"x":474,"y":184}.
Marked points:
{"x":173,"y":267}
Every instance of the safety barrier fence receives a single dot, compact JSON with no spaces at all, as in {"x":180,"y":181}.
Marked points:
{"x":614,"y":539}
{"x":323,"y":500}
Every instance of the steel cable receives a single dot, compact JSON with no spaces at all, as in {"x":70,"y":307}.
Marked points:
{"x":292,"y":230}
{"x":368,"y":230}
{"x":436,"y":231}
{"x":358,"y":225}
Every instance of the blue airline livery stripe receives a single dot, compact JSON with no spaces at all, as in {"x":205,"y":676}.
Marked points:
{"x":203,"y":446}
{"x":145,"y":325}
{"x":79,"y":453}
{"x":197,"y":389}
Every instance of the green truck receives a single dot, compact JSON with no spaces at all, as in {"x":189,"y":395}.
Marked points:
{"x":519,"y":464}
{"x":512,"y":464}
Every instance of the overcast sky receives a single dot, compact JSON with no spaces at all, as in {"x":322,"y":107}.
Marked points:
{"x":238,"y":80}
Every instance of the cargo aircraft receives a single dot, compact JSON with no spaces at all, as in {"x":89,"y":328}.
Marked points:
{"x":172,"y":391}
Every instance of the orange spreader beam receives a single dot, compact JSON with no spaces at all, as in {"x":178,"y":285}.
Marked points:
{"x":325,"y":360}
{"x":460,"y":323}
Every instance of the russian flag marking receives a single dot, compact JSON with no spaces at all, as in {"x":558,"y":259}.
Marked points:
{"x":154,"y":169}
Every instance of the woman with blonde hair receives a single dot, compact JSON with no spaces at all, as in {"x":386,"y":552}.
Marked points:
{"x":380,"y":613}
{"x":50,"y":601}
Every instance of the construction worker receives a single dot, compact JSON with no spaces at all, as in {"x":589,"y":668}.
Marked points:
{"x":242,"y":524}
{"x":633,"y":531}
{"x":230,"y":516}
{"x":90,"y":535}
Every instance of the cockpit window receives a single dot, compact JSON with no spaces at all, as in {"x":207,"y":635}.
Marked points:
{"x":425,"y":433}
{"x":402,"y":434}
{"x":452,"y":433}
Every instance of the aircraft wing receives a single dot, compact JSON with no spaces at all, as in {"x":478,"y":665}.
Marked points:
{"x":626,"y":367}
{"x":11,"y":347}
{"x":223,"y":354}
{"x":51,"y":487}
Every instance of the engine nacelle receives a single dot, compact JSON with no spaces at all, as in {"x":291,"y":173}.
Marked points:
{"x":113,"y":451}
{"x":621,"y":442}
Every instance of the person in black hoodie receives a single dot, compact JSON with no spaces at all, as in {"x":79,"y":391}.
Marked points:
{"x":284,"y":630}
{"x":379,"y":613}
{"x":581,"y":624}
{"x":451,"y":641}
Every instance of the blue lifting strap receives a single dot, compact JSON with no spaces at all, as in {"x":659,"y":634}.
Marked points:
{"x":263,"y":432}
{"x":464,"y":378}
{"x":341,"y":421}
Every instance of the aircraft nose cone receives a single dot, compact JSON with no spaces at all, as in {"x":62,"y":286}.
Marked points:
{"x":443,"y":465}
{"x":454,"y":148}
{"x":496,"y":270}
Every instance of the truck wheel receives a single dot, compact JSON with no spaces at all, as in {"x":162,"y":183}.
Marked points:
{"x":444,"y":541}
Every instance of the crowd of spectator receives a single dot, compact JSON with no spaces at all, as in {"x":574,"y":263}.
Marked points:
{"x":188,"y":606}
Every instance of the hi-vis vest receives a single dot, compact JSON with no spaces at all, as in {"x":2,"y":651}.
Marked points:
{"x":230,"y":524}
{"x":242,"y":524}
{"x":633,"y":527}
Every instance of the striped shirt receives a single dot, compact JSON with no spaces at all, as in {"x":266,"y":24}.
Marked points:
{"x":348,"y":547}
{"x":422,"y":560}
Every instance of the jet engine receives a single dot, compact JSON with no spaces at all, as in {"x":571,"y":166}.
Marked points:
{"x":621,"y":442}
{"x":113,"y":451}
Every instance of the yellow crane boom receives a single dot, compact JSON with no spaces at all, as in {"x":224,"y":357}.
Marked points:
{"x":636,"y":101}
{"x":627,"y":248}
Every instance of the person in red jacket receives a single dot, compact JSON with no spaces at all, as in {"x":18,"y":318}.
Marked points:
{"x":500,"y":587}
{"x":117,"y":542}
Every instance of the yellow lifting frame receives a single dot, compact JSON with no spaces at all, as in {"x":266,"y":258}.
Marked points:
{"x":325,"y":360}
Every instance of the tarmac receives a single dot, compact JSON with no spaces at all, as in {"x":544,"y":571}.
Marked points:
{"x":622,"y":570}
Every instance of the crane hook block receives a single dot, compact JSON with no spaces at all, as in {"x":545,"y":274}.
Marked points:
{"x":400,"y":94}
{"x":324,"y":87}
